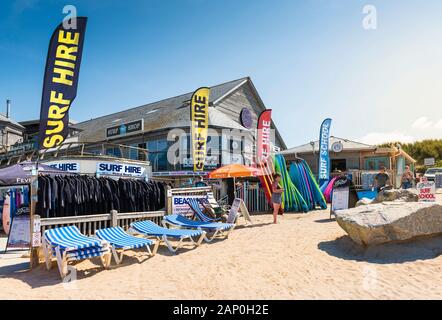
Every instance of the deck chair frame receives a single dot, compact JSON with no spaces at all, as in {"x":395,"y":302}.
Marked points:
{"x":118,"y":256}
{"x":63,"y":259}
{"x":209,"y":236}
{"x":168,"y":243}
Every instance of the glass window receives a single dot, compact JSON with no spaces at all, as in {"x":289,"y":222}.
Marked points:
{"x":157,"y":150}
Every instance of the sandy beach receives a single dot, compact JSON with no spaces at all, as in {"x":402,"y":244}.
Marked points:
{"x":302,"y":257}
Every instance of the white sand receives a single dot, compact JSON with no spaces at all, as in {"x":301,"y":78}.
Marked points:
{"x":303,"y":257}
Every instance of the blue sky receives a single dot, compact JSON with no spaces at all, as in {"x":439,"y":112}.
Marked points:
{"x":308,"y":59}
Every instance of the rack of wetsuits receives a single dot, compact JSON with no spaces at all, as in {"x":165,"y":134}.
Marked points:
{"x":77,"y":195}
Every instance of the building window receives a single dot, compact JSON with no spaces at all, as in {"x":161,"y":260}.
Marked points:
{"x":157,"y":153}
{"x":114,"y":152}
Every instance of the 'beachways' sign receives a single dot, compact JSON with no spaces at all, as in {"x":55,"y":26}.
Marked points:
{"x":120,"y":169}
{"x":324,"y":159}
{"x":180,"y":206}
{"x":426,"y":191}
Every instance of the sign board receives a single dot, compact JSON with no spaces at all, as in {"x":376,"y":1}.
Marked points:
{"x":20,"y":233}
{"x":429,"y":161}
{"x":340,"y":198}
{"x":73,"y":167}
{"x":324,"y":156}
{"x":211,"y":162}
{"x":337,"y":147}
{"x":238,"y":206}
{"x":124,"y":129}
{"x":120,"y":169}
{"x":426,"y":191}
{"x":179,"y":205}
{"x":36,"y":239}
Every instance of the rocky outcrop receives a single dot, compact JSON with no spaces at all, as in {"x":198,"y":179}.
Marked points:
{"x":407,"y":195}
{"x":390,"y":221}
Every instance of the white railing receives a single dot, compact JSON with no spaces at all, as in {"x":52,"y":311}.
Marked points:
{"x":88,"y":224}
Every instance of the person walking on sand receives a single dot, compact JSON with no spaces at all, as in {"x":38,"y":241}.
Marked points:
{"x":407,"y":178}
{"x":277,"y":192}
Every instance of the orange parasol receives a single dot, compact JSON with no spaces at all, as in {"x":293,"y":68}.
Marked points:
{"x":234,"y":171}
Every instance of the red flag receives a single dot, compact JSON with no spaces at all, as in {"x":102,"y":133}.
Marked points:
{"x":263,"y":141}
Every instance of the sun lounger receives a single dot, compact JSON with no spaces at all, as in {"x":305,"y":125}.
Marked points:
{"x":121,"y":241}
{"x":194,"y":204}
{"x":149,"y":228}
{"x":67,"y":244}
{"x":215,"y":228}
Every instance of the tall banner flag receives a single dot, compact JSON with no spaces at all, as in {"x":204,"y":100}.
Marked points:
{"x":60,"y":82}
{"x":199,"y":118}
{"x":324,"y":158}
{"x":263,"y":147}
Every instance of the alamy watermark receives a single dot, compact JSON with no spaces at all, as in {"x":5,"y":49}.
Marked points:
{"x":370,"y":20}
{"x":369,"y":278}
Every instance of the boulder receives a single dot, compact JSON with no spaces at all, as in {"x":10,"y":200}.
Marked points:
{"x":390,"y":221}
{"x":407,"y":195}
{"x":364,"y":202}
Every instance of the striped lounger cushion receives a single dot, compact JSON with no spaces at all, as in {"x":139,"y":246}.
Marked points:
{"x":71,"y":238}
{"x":150,"y":228}
{"x":121,"y":240}
{"x":182,"y":221}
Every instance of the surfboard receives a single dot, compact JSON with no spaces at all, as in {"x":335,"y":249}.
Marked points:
{"x":6,"y":216}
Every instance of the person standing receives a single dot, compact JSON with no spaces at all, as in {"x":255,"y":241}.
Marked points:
{"x":200,"y":183}
{"x":277,"y":192}
{"x":381,"y":180}
{"x":407,"y":178}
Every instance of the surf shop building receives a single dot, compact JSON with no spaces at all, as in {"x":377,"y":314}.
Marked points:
{"x":362,"y":161}
{"x":144,"y":135}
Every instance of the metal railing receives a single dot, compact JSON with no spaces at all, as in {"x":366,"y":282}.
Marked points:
{"x":253,"y":196}
{"x":78,"y":149}
{"x":357,"y":176}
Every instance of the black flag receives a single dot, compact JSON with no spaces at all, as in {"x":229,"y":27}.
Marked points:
{"x":60,"y":83}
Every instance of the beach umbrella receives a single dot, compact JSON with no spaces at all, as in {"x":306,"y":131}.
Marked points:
{"x":21,"y":173}
{"x":234,"y":171}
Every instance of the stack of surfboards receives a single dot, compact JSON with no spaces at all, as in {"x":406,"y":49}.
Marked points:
{"x":304,"y":180}
{"x":301,"y":191}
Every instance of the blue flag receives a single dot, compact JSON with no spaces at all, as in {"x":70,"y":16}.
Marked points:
{"x":324,"y":158}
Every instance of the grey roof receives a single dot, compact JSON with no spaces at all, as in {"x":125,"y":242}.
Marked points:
{"x":347,"y":144}
{"x":3,"y":118}
{"x":161,"y":115}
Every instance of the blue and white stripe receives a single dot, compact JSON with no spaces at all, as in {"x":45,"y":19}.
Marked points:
{"x":150,"y":228}
{"x":181,"y":221}
{"x":118,"y":238}
{"x":195,"y":206}
{"x":70,"y":238}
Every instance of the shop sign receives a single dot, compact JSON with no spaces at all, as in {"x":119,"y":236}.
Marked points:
{"x":124,"y":129}
{"x":120,"y":169}
{"x":263,"y":147}
{"x":180,"y":206}
{"x":199,"y":119}
{"x":73,"y":167}
{"x":429,"y":161}
{"x":324,"y":157}
{"x":60,"y":82}
{"x":211,"y":162}
{"x":238,"y":206}
{"x":426,"y":191}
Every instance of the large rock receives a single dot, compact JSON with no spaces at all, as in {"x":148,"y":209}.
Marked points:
{"x":391,"y":221}
{"x":407,"y":195}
